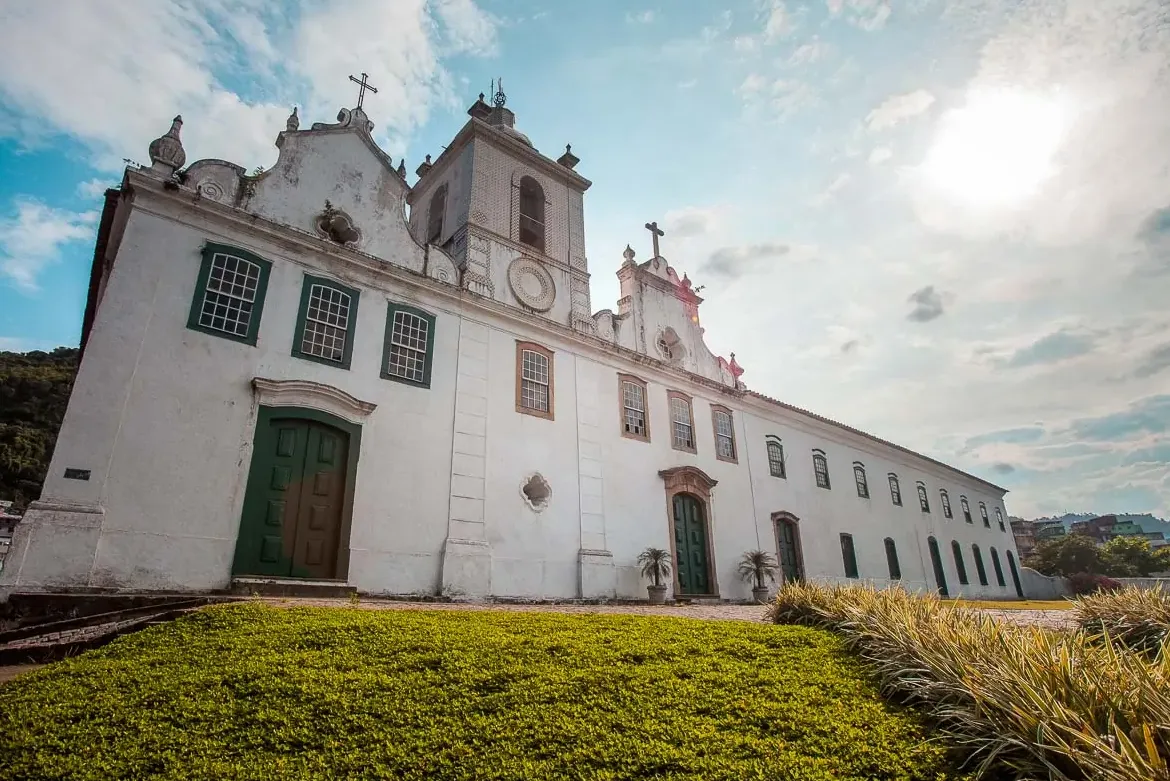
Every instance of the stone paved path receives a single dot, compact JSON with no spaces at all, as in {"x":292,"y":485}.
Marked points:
{"x":1050,"y":619}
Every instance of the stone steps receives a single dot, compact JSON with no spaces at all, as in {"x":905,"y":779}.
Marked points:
{"x":292,"y":587}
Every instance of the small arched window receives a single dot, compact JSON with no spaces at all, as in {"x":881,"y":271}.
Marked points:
{"x":531,"y":213}
{"x":435,"y":214}
{"x":895,"y":490}
{"x":775,"y":457}
{"x":999,"y":519}
{"x":966,"y":509}
{"x":923,"y":500}
{"x":983,"y":515}
{"x":821,"y":469}
{"x":960,"y":565}
{"x":979,"y":568}
{"x":892,"y":559}
{"x":859,"y":478}
{"x":946,"y":503}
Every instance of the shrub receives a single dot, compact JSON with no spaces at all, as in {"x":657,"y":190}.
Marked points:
{"x":1083,"y":583}
{"x":1040,"y":704}
{"x":251,"y":691}
{"x":1138,"y":618}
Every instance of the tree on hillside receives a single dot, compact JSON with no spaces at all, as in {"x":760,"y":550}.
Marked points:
{"x":1066,"y":556}
{"x":1130,"y":557}
{"x":34,"y":390}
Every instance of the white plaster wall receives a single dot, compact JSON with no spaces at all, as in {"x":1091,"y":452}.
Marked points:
{"x":338,"y":166}
{"x":164,"y":418}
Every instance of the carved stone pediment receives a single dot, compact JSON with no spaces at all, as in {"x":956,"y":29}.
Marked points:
{"x":314,"y":395}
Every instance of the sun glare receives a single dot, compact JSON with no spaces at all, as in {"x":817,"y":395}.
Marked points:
{"x":997,"y":149}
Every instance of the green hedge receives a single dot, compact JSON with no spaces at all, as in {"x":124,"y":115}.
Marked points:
{"x":249,"y":691}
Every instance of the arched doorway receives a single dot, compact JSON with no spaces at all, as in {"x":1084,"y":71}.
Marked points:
{"x":690,"y":545}
{"x":688,"y":497}
{"x":940,"y":575}
{"x":1015,"y":575}
{"x":297,"y":505}
{"x":788,"y":552}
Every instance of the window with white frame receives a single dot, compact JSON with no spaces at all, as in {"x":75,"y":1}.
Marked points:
{"x":923,"y":499}
{"x":821,"y":470}
{"x":775,"y":457}
{"x":409,"y":345}
{"x":634,"y":420}
{"x":895,"y":490}
{"x":859,"y":479}
{"x":966,"y":508}
{"x":325,"y":322}
{"x":724,"y":434}
{"x":230,"y":294}
{"x":983,"y":515}
{"x":534,"y":391}
{"x":999,"y":519}
{"x":682,"y":423}
{"x":945,"y":498}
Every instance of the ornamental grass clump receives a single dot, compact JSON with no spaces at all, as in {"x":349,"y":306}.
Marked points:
{"x":1033,"y":703}
{"x":1137,"y":618}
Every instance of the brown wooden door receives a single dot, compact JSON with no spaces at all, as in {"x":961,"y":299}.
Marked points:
{"x":295,"y":501}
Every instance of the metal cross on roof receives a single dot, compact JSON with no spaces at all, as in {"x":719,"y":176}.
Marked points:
{"x":655,"y":233}
{"x":363,"y":86}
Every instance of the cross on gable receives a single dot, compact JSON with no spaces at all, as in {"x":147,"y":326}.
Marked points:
{"x":363,"y":85}
{"x":655,"y":233}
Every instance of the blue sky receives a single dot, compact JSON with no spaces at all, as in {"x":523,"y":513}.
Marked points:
{"x":946,"y":222}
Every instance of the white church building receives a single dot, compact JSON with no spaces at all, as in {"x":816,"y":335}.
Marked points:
{"x":284,"y":376}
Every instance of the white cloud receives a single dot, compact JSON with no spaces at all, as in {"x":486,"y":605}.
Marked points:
{"x":880,"y":155}
{"x":868,"y":15}
{"x":746,"y":44}
{"x":33,"y":236}
{"x":130,"y":66}
{"x":829,"y":193}
{"x":808,"y":53}
{"x":94,"y":188}
{"x":778,"y":23}
{"x":898,"y":108}
{"x":640,"y":17}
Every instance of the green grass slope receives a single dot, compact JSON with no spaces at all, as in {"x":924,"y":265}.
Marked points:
{"x":249,"y":691}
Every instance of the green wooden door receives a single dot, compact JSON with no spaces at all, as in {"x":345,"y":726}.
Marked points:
{"x":789,"y":556}
{"x":294,"y":503}
{"x":690,"y":545}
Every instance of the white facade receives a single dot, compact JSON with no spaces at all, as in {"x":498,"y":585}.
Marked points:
{"x":163,"y":421}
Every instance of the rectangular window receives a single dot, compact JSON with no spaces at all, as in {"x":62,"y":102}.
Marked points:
{"x":895,"y":490}
{"x":848,"y":556}
{"x":821,"y":470}
{"x":635,"y":423}
{"x":682,"y":422}
{"x":724,"y":434}
{"x":776,"y":458}
{"x":408,"y":346}
{"x":859,"y":479}
{"x":229,"y":293}
{"x":534,"y":380}
{"x":325,"y":322}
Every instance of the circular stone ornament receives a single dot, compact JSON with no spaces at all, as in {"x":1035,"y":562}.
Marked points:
{"x":532,"y":284}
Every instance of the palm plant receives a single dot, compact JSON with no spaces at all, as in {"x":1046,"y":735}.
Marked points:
{"x":655,"y":565}
{"x":755,"y":566}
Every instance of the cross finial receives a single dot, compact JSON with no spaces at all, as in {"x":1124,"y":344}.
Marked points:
{"x":363,"y":85}
{"x":655,"y":233}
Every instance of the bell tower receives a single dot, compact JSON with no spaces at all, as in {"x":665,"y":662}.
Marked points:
{"x":511,"y":218}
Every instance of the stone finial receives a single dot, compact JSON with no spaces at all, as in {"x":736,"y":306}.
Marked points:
{"x":167,"y":151}
{"x":568,"y":159}
{"x":402,"y":168}
{"x":423,"y":167}
{"x":628,"y":255}
{"x":293,"y":122}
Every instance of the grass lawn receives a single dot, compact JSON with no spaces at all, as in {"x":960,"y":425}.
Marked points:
{"x":249,"y":691}
{"x":1021,"y":604}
